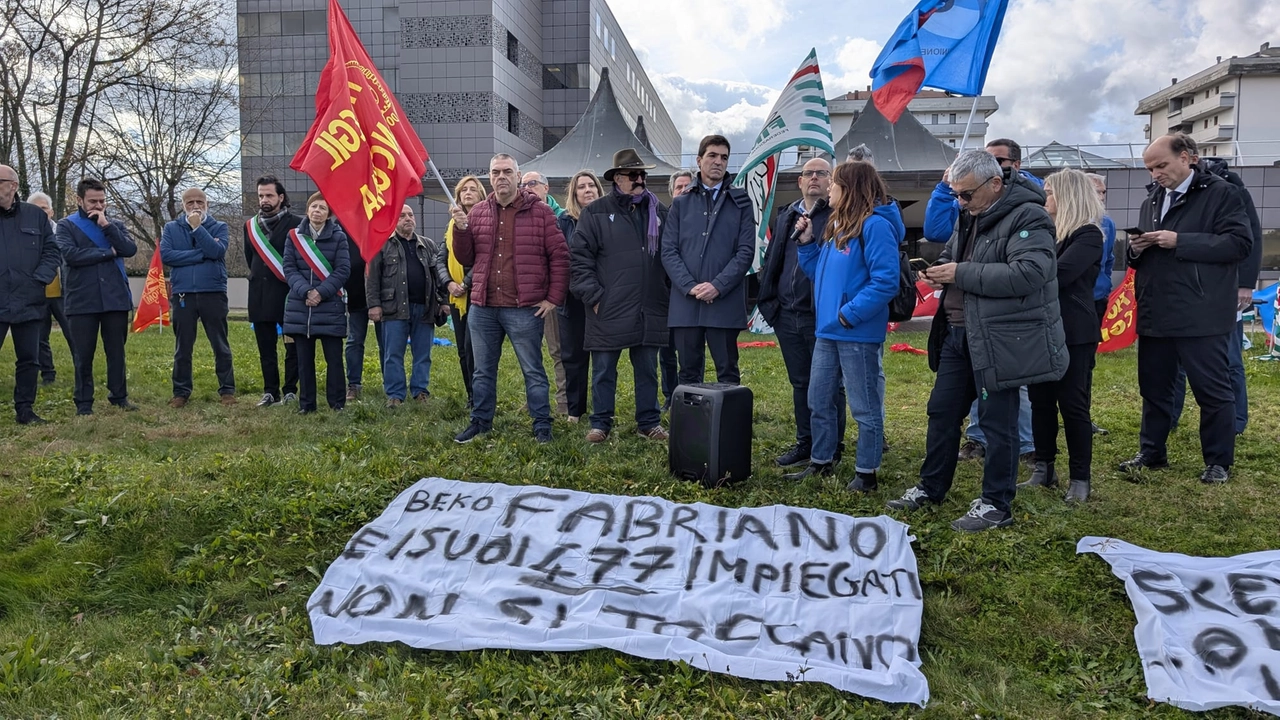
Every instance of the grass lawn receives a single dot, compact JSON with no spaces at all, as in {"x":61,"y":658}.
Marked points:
{"x":158,"y":563}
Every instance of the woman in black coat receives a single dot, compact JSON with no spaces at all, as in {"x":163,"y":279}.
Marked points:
{"x":1076,"y":212}
{"x":317,"y":264}
{"x":584,"y":188}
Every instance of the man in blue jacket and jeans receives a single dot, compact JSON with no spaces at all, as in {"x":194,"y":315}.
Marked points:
{"x":195,"y":246}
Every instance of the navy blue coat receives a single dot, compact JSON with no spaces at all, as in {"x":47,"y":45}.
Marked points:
{"x":198,"y":257}
{"x":28,"y":261}
{"x":93,"y":282}
{"x":709,"y":242}
{"x":329,"y":318}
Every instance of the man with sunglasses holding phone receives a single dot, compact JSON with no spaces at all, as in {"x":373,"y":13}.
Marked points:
{"x":998,"y":328}
{"x":940,"y":218}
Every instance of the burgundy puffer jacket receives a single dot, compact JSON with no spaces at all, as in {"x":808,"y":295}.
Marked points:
{"x":542,"y":257}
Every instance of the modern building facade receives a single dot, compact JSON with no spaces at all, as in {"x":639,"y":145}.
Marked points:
{"x":1231,"y":109}
{"x":940,"y":113}
{"x":475,"y":77}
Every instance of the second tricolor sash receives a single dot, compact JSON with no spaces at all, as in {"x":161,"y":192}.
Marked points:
{"x":261,"y":241}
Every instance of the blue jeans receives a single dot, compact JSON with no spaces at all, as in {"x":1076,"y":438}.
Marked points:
{"x":1235,"y":366}
{"x":418,"y":331}
{"x":1026,"y":443}
{"x":488,"y":326}
{"x":859,"y":363}
{"x":604,"y":386}
{"x":357,"y":332}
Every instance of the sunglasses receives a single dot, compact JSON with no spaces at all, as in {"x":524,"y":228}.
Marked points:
{"x":1003,"y":160}
{"x":634,"y":175}
{"x":967,"y":195}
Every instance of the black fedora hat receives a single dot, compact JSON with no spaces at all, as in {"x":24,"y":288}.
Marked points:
{"x":625,"y":160}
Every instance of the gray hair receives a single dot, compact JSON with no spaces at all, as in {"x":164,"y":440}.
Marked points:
{"x":539,"y":176}
{"x":981,"y":164}
{"x":515,"y":164}
{"x":861,"y":153}
{"x":671,"y":181}
{"x":1097,"y":179}
{"x":33,"y":197}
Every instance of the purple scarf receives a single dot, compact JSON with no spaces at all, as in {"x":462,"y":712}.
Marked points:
{"x":651,"y":236}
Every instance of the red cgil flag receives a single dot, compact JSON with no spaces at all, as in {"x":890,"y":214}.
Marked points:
{"x":1120,"y":324}
{"x":361,"y":151}
{"x":153,"y":308}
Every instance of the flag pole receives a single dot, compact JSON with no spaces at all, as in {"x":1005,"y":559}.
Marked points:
{"x":972,"y":111}
{"x":432,"y":164}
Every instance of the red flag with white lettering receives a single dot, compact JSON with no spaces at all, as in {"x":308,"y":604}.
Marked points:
{"x":361,"y":151}
{"x":1120,"y":324}
{"x":153,"y":308}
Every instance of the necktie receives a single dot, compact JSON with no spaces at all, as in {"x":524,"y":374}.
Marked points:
{"x":1173,"y":198}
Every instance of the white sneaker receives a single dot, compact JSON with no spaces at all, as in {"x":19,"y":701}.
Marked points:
{"x":982,"y":515}
{"x":267,"y":400}
{"x":289,"y":397}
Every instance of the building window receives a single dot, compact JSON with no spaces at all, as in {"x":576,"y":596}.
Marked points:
{"x":1215,"y":121}
{"x":292,"y":23}
{"x":513,"y":119}
{"x":606,"y":37}
{"x":391,"y":18}
{"x":1217,"y":89}
{"x":513,"y":49}
{"x":316,"y":22}
{"x":564,"y":77}
{"x":1206,"y":123}
{"x":597,"y":24}
{"x":269,"y":23}
{"x":953,"y":142}
{"x":933,"y":120}
{"x":953,"y":118}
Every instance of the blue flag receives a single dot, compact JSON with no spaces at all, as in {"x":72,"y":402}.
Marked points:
{"x":945,"y":44}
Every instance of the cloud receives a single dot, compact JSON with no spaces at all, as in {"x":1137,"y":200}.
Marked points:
{"x":702,"y":107}
{"x":702,"y":38}
{"x":851,"y":69}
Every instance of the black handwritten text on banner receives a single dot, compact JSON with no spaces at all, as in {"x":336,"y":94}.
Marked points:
{"x":771,"y":593}
{"x":1208,"y":628}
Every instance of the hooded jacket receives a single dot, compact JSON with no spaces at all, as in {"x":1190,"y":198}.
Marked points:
{"x":198,"y":257}
{"x":1011,"y":314}
{"x":858,"y":282}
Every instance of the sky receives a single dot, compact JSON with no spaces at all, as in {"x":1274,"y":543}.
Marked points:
{"x":1066,"y":70}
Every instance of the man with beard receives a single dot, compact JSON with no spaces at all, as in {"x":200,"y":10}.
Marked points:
{"x":265,"y":235}
{"x":707,"y":246}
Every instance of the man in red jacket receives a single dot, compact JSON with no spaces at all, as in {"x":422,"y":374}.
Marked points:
{"x":520,"y":273}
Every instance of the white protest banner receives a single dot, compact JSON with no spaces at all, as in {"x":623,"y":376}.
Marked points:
{"x":772,"y":593}
{"x":1208,"y":628}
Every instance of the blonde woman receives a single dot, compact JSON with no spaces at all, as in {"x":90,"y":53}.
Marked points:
{"x":1076,"y":211}
{"x":584,"y":188}
{"x":456,"y":279}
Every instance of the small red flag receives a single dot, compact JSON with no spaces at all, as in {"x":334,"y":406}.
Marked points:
{"x":154,"y":306}
{"x":361,"y":151}
{"x":1120,"y":324}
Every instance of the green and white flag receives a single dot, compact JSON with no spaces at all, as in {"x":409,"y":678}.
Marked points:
{"x":799,"y":117}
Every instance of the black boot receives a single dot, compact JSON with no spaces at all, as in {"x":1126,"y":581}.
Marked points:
{"x":1042,"y":476}
{"x":1077,"y":491}
{"x":819,"y":469}
{"x":863,"y":482}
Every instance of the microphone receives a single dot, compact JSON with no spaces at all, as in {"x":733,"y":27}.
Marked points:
{"x":822,"y":203}
{"x":796,"y":232}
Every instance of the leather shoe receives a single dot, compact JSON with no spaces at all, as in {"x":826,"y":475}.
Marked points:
{"x":863,"y":483}
{"x":819,"y":469}
{"x":1215,"y":475}
{"x":1141,"y":461}
{"x":1077,"y":491}
{"x":794,"y":455}
{"x":1042,"y":476}
{"x":30,"y":418}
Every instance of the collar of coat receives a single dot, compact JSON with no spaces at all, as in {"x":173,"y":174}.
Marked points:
{"x":1200,"y":179}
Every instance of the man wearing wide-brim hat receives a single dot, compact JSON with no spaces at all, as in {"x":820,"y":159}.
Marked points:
{"x":616,"y":271}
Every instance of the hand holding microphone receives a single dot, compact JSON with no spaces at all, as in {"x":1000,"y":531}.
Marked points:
{"x":803,"y":233}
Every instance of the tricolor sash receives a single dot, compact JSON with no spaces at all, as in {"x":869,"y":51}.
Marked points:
{"x":260,"y":239}
{"x":315,"y":259}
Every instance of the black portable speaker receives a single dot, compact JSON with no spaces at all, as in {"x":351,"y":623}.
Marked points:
{"x":711,"y":433}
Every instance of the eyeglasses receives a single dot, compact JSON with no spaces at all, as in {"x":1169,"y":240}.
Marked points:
{"x":967,"y":195}
{"x":531,"y":184}
{"x":815,"y":173}
{"x":634,"y":175}
{"x":1002,"y":161}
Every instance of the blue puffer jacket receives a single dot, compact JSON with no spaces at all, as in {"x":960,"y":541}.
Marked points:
{"x":198,"y":257}
{"x":1102,"y":288}
{"x":858,"y":282}
{"x":943,"y":210}
{"x":329,"y":318}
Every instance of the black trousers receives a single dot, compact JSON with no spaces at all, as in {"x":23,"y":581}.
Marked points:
{"x":26,"y":349}
{"x":1207,"y":365}
{"x":576,"y":360}
{"x":795,"y":333}
{"x":953,"y":392}
{"x":669,"y":365}
{"x":53,"y":311}
{"x":267,"y":335}
{"x":692,"y":344}
{"x":335,"y":380}
{"x":466,"y":358}
{"x":1071,"y":396}
{"x":208,"y":309}
{"x":113,"y":327}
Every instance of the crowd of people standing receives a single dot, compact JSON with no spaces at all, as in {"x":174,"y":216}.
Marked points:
{"x":1023,"y":277}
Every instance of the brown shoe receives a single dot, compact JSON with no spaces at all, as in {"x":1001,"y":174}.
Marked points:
{"x":422,"y":396}
{"x":654,"y":433}
{"x":228,"y":400}
{"x":178,"y":401}
{"x":353,"y":393}
{"x":393,"y":403}
{"x":597,"y":435}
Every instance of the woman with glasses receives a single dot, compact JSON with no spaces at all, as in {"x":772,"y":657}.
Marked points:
{"x":583,"y":189}
{"x":456,"y":279}
{"x":1073,"y":203}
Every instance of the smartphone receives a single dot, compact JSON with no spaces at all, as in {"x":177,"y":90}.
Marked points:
{"x":918,"y":264}
{"x":1133,"y":231}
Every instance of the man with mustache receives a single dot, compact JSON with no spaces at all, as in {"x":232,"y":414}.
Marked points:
{"x":265,"y":235}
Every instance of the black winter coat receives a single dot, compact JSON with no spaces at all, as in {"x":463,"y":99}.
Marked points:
{"x":329,"y":318}
{"x":1251,"y":266}
{"x":775,"y":256}
{"x":267,"y":293}
{"x":1079,"y":261}
{"x":93,"y":282}
{"x":715,"y":242}
{"x":29,"y":260}
{"x":611,"y":265}
{"x":1190,"y":290}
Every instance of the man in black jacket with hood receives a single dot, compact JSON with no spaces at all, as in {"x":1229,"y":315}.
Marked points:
{"x":1195,"y":234}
